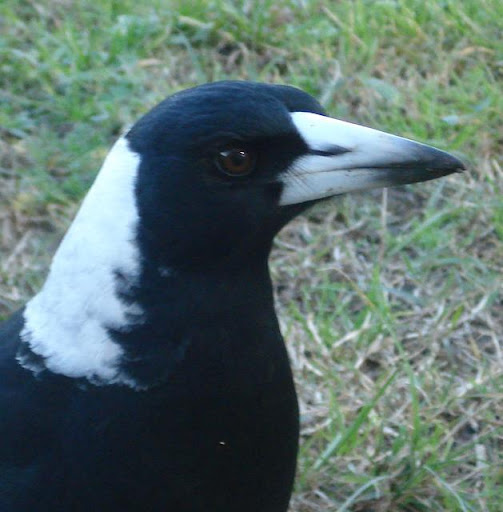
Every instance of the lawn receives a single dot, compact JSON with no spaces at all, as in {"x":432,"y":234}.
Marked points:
{"x":391,"y":301}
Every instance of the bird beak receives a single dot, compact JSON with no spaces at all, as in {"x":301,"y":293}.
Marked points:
{"x":344,"y":157}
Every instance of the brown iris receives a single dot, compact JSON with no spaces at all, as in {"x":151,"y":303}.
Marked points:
{"x":236,"y":161}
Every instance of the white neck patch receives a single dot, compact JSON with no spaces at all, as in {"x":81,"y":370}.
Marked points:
{"x":67,"y":322}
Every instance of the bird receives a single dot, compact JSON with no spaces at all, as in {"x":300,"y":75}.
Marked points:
{"x":149,"y":372}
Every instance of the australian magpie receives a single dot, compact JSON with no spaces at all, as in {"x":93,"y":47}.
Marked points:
{"x":149,"y":372}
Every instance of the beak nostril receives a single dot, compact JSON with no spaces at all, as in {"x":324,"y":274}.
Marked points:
{"x":330,"y":150}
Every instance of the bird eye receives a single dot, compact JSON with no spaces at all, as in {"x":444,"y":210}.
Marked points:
{"x":236,"y":161}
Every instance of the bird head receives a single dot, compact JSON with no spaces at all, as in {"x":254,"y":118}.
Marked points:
{"x":225,"y":165}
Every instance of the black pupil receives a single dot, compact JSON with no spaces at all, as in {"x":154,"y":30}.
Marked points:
{"x":237,"y":159}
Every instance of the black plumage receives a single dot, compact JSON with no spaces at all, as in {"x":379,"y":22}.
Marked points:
{"x":191,"y":406}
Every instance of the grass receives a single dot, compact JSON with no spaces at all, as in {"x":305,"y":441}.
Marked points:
{"x":391,"y":301}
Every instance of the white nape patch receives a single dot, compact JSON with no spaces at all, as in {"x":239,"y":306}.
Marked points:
{"x":314,"y":176}
{"x":66,"y":322}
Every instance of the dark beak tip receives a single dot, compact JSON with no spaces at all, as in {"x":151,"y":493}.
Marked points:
{"x":464,"y":164}
{"x":459,"y":165}
{"x":450,"y":162}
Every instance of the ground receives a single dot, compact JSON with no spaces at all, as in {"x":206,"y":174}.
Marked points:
{"x":391,"y":301}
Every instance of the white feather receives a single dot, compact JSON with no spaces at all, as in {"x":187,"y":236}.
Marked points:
{"x":67,"y":322}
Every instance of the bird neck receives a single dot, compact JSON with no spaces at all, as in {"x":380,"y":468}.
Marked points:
{"x":201,"y":319}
